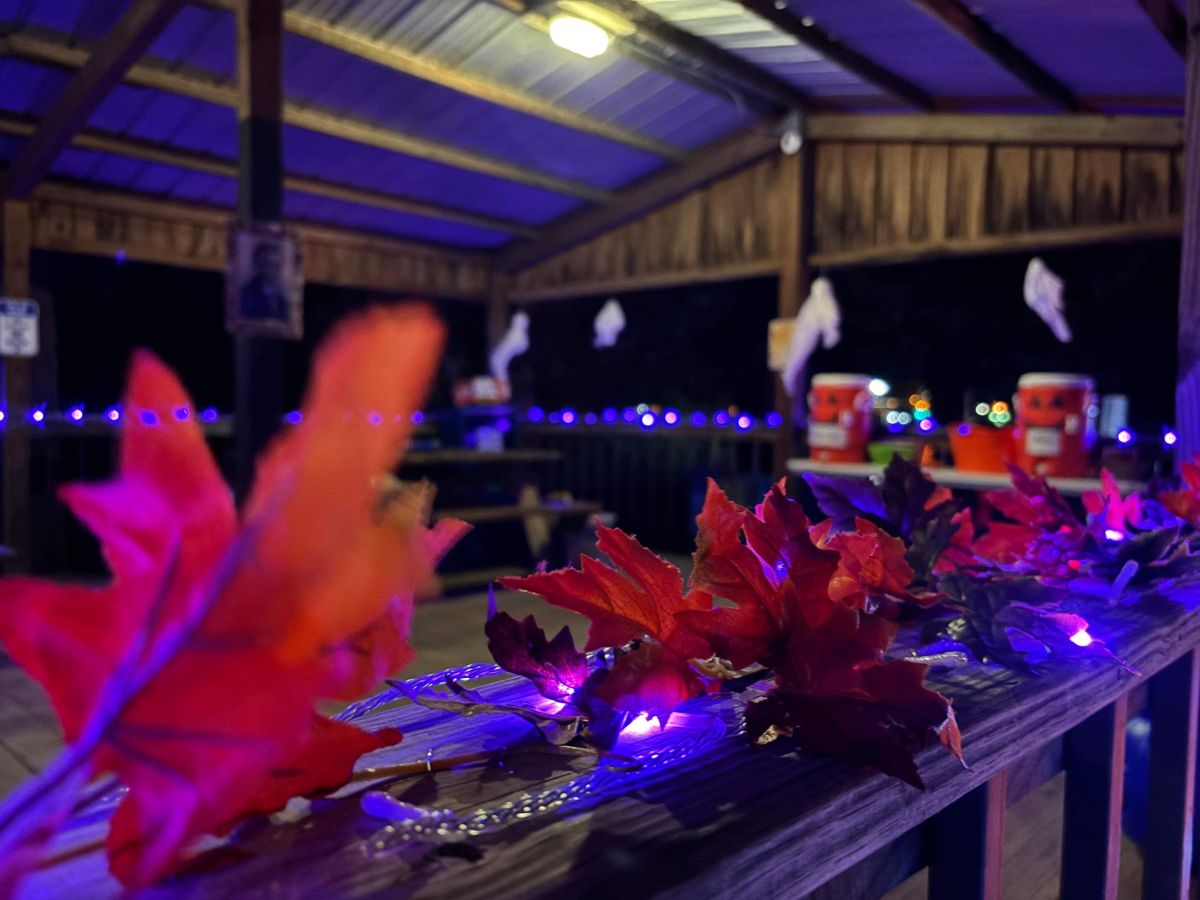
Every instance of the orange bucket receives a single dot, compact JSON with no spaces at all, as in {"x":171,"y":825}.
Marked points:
{"x":981,"y":448}
{"x":1056,"y":423}
{"x":839,"y":417}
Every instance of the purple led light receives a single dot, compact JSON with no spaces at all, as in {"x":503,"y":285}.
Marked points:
{"x":535,"y":414}
{"x":113,"y":414}
{"x":1124,"y":436}
{"x":75,"y":414}
{"x":148,"y":417}
{"x":630,"y":415}
{"x":964,"y":429}
{"x":295,"y":417}
{"x":774,"y":420}
{"x":1169,"y":438}
{"x":609,"y":415}
{"x":375,"y":418}
{"x":590,"y":418}
{"x":417,"y":418}
{"x":925,"y":424}
{"x":569,"y":417}
{"x":720,"y":418}
{"x":671,"y":417}
{"x":504,"y":426}
{"x":182,"y":413}
{"x":209,"y":415}
{"x":119,"y":257}
{"x":648,"y":420}
{"x":744,"y":422}
{"x":2,"y":415}
{"x":699,"y":420}
{"x":555,"y":418}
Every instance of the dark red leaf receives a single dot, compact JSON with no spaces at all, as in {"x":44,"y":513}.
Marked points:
{"x":555,"y":667}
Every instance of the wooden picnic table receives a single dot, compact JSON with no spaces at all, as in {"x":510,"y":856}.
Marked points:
{"x":729,"y":818}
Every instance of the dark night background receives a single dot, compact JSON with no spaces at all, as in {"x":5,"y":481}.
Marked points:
{"x":952,"y":324}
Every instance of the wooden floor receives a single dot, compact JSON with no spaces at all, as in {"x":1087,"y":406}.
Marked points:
{"x":450,"y":633}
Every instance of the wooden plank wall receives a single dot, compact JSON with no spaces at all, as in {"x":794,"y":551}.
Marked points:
{"x":881,"y":201}
{"x":76,"y":220}
{"x":728,"y":229}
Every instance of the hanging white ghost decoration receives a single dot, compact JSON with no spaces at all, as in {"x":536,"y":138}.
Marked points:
{"x":1044,"y":295}
{"x":819,"y":321}
{"x":609,"y":323}
{"x":513,"y":344}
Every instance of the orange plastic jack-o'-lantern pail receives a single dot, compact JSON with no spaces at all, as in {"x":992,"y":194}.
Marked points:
{"x":839,"y":417}
{"x":1056,"y":415}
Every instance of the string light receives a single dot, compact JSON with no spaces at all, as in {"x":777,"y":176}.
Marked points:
{"x":648,"y":419}
{"x":1124,"y":436}
{"x":75,"y":413}
{"x":671,"y":417}
{"x":113,"y":414}
{"x":536,"y":414}
{"x":744,"y":422}
{"x":568,"y":417}
{"x":295,"y":417}
{"x":1169,"y":438}
{"x":209,"y":415}
{"x":609,"y":415}
{"x":774,"y":420}
{"x":699,"y":420}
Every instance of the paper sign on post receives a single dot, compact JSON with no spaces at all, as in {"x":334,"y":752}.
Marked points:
{"x":18,"y":327}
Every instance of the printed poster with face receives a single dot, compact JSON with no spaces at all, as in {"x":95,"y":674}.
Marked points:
{"x":264,"y":282}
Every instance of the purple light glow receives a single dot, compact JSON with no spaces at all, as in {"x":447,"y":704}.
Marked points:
{"x":630,"y":415}
{"x":182,"y":413}
{"x":699,"y":420}
{"x":113,"y":414}
{"x":590,"y":418}
{"x":1124,"y":436}
{"x":38,"y":415}
{"x":2,"y":415}
{"x":720,"y":418}
{"x":504,"y":426}
{"x":1169,"y":438}
{"x":417,"y":418}
{"x":75,"y":414}
{"x":926,"y":425}
{"x":295,"y":417}
{"x":648,"y":420}
{"x":1081,"y":638}
{"x":209,"y":415}
{"x":375,"y":418}
{"x":148,"y":417}
{"x":774,"y":420}
{"x":609,"y":415}
{"x":964,"y":429}
{"x":671,"y":417}
{"x":1113,"y":535}
{"x":744,"y":422}
{"x":555,"y":418}
{"x":535,"y":414}
{"x":568,"y":417}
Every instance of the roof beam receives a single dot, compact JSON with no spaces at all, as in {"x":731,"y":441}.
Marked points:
{"x":399,"y":60}
{"x":807,"y":33}
{"x":687,"y":52}
{"x":649,"y":193}
{"x":36,"y":48}
{"x":1170,"y":22}
{"x":148,"y":151}
{"x":955,"y":16}
{"x":103,"y":69}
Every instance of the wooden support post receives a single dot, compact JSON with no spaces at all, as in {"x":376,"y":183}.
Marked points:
{"x":1094,"y":759}
{"x":259,"y":397}
{"x":499,"y":287}
{"x":967,"y":854}
{"x":1187,"y":390}
{"x":796,"y":196}
{"x":1170,"y":799}
{"x":17,"y":392}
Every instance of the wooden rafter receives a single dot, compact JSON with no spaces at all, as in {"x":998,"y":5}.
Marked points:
{"x":103,"y":69}
{"x":39,"y":49}
{"x":1170,"y":22}
{"x":149,"y":151}
{"x":805,"y":30}
{"x":1081,"y":129}
{"x":393,"y":57}
{"x":959,"y":19}
{"x":652,"y":192}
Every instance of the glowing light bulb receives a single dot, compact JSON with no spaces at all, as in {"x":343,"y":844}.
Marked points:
{"x":209,"y":415}
{"x":2,"y":415}
{"x":148,"y":417}
{"x":609,"y":415}
{"x":1081,"y":638}
{"x":878,"y":387}
{"x":982,"y":409}
{"x":555,"y":418}
{"x":295,"y":417}
{"x":375,"y":418}
{"x":630,"y":415}
{"x":720,"y":418}
{"x":648,"y":420}
{"x":699,"y":420}
{"x":578,"y":35}
{"x":535,"y":414}
{"x":76,"y":414}
{"x":774,"y":420}
{"x":671,"y":417}
{"x":744,"y":422}
{"x":38,"y":415}
{"x":964,"y":429}
{"x":1113,"y":535}
{"x":113,"y":414}
{"x":417,"y":418}
{"x":590,"y":418}
{"x":1169,"y":438}
{"x":926,"y":425}
{"x":1124,"y":436}
{"x":568,"y":417}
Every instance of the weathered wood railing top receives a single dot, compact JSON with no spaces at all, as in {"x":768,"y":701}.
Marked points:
{"x":711,"y":825}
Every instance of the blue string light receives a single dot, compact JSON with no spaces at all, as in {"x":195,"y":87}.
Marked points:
{"x":568,"y":416}
{"x":295,"y":417}
{"x":75,"y":414}
{"x":208,"y":415}
{"x":671,"y":417}
{"x":609,"y":415}
{"x":590,"y":418}
{"x":720,"y":418}
{"x":774,"y":420}
{"x":699,"y":420}
{"x":113,"y":414}
{"x":536,"y":414}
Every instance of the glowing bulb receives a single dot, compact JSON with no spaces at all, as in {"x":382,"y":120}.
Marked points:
{"x":903,"y":418}
{"x":641,"y":725}
{"x":113,"y":414}
{"x":1113,"y":535}
{"x":38,"y":415}
{"x":671,"y":417}
{"x":630,"y":415}
{"x":295,"y":417}
{"x":744,"y":422}
{"x":642,"y":408}
{"x":1124,"y":436}
{"x":699,"y":420}
{"x":1170,"y":438}
{"x":554,"y":418}
{"x":76,"y":414}
{"x":2,"y":415}
{"x":375,"y":418}
{"x":964,"y":429}
{"x":535,"y":414}
{"x":1081,"y":638}
{"x":417,"y":418}
{"x":721,"y":418}
{"x":774,"y":420}
{"x":148,"y":417}
{"x":878,"y":387}
{"x":590,"y":418}
{"x":209,"y":415}
{"x":568,"y":417}
{"x":982,"y":409}
{"x":578,"y":35}
{"x":926,"y":425}
{"x":648,"y":420}
{"x":609,"y":415}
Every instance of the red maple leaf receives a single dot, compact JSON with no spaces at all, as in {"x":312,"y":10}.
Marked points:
{"x":871,"y":566}
{"x":192,"y":675}
{"x":1185,"y":502}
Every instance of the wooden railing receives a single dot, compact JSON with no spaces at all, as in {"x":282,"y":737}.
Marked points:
{"x":654,"y":480}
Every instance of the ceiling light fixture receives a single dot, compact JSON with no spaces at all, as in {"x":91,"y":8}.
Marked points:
{"x":578,"y":35}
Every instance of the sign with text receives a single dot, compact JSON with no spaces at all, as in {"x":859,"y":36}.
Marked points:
{"x":18,"y":327}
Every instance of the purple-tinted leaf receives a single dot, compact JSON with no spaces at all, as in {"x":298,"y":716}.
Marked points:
{"x":845,"y":499}
{"x":555,"y":667}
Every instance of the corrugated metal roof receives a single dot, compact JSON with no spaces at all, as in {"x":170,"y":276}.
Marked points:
{"x":1096,"y":47}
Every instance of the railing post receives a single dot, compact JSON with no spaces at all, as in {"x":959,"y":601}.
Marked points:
{"x":1170,"y":799}
{"x":967,"y":854}
{"x":1094,"y":760}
